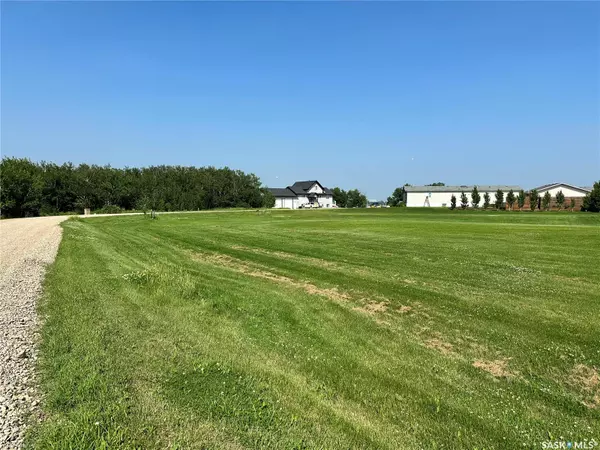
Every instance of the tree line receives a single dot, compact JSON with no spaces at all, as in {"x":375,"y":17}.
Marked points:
{"x":31,"y":189}
{"x":349,"y":199}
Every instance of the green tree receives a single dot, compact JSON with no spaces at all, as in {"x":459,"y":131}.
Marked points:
{"x":546,"y":201}
{"x":268,"y":198}
{"x":499,"y":199}
{"x":533,"y":199}
{"x":486,"y":200}
{"x":464,"y":200}
{"x":591,"y":201}
{"x":572,"y":204}
{"x":340,"y":197}
{"x":560,"y":199}
{"x":475,"y":197}
{"x":521,"y":199}
{"x":396,"y":198}
{"x":356,"y":199}
{"x":510,"y":199}
{"x":453,"y":202}
{"x":21,"y":186}
{"x":439,"y":183}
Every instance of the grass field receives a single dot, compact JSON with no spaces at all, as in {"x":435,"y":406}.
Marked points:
{"x":323,"y":329}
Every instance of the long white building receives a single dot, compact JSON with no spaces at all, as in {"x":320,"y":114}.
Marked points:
{"x":439,"y":196}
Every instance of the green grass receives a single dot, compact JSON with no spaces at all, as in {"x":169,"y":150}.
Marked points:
{"x":322,"y":329}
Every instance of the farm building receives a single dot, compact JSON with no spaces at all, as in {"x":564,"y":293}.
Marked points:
{"x":570,"y":192}
{"x":303,"y":194}
{"x":439,"y":196}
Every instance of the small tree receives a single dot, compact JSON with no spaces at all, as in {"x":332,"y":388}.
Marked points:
{"x":396,"y":198}
{"x":521,"y":199}
{"x":546,"y":201}
{"x":486,"y":200}
{"x":591,"y":202}
{"x":499,"y":198}
{"x":533,"y":199}
{"x":510,"y":199}
{"x":268,"y":198}
{"x":475,"y":197}
{"x":464,"y":201}
{"x":453,"y":202}
{"x":572,"y":204}
{"x":560,"y":199}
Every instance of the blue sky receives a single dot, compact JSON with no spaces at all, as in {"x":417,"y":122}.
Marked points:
{"x":358,"y":95}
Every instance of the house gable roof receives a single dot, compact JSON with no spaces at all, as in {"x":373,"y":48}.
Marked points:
{"x":546,"y":187}
{"x":298,"y":188}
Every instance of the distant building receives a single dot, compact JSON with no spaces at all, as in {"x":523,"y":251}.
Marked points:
{"x":570,"y":192}
{"x":303,"y":194}
{"x":439,"y":196}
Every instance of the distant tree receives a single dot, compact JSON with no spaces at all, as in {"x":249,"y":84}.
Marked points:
{"x":21,"y":185}
{"x":475,"y":197}
{"x":533,"y":199}
{"x":486,"y":200}
{"x":499,"y":199}
{"x":510,"y":199}
{"x":546,"y":201}
{"x":439,"y":183}
{"x":464,"y":200}
{"x":560,"y":199}
{"x":591,"y":202}
{"x":453,"y":202}
{"x":268,"y":198}
{"x":572,"y":204}
{"x":356,"y":199}
{"x":521,"y":199}
{"x":396,"y":198}
{"x":340,"y":197}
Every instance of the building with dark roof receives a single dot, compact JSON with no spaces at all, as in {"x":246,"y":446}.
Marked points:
{"x":302,"y":194}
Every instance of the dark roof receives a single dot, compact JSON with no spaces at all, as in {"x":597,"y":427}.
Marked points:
{"x":551,"y":185}
{"x":282,"y":192}
{"x":301,"y":187}
{"x":480,"y":188}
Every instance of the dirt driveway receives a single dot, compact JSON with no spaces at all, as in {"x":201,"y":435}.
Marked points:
{"x":26,"y":247}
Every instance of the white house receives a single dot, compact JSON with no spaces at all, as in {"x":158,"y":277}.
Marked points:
{"x":568,"y":190}
{"x":303,"y":194}
{"x":439,"y":196}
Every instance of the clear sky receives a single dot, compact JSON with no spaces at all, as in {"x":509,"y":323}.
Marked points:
{"x":357,"y":95}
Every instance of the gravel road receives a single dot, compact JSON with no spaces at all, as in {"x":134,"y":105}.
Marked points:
{"x":26,"y":247}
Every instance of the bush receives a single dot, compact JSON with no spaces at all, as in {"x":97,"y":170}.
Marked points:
{"x":453,"y":202}
{"x":464,"y":201}
{"x":533,"y":199}
{"x":591,"y":202}
{"x":109,"y":209}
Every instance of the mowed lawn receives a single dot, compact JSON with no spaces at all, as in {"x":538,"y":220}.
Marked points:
{"x":322,"y":329}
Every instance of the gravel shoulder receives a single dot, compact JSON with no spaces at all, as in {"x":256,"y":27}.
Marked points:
{"x":27,"y":246}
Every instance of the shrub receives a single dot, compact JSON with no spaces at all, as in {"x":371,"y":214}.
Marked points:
{"x":546,"y":201}
{"x":510,"y":199}
{"x":486,"y":200}
{"x":109,"y":209}
{"x":499,"y":198}
{"x":464,"y":201}
{"x":521,"y":199}
{"x":453,"y":202}
{"x":475,"y":197}
{"x":533,"y":199}
{"x":591,"y":202}
{"x":560,"y":199}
